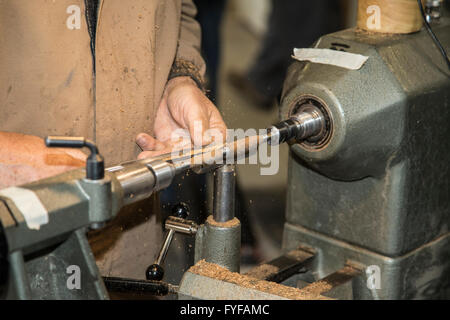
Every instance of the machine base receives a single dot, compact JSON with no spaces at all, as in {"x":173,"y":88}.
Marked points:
{"x":423,"y":273}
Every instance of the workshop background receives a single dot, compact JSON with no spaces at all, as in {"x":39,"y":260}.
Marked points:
{"x":237,"y":46}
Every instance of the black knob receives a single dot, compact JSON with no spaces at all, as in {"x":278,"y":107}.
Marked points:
{"x":95,"y":167}
{"x":154,"y":272}
{"x":180,"y":210}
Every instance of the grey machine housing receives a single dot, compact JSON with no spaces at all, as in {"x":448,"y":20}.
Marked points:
{"x":376,"y":189}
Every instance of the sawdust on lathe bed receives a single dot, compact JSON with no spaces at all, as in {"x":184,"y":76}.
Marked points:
{"x":227,"y":224}
{"x":215,"y":271}
{"x":317,"y":288}
{"x":262,"y":271}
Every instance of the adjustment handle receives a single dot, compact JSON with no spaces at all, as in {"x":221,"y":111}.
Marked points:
{"x":156,"y":271}
{"x":95,"y":165}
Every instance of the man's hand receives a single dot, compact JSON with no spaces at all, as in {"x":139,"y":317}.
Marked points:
{"x":183,"y":106}
{"x":25,"y":158}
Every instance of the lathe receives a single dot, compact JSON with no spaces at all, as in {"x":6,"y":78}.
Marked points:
{"x":368,"y":206}
{"x":368,"y":203}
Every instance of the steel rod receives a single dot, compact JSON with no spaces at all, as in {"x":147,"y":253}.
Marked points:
{"x":224,"y":193}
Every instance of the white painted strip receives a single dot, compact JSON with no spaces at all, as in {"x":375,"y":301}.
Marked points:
{"x":29,"y":205}
{"x":341,"y":59}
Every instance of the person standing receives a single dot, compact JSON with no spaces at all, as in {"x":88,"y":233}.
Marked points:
{"x":125,"y":74}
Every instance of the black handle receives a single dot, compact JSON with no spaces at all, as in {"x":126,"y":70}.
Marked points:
{"x":180,"y":210}
{"x":95,"y":165}
{"x":154,"y":272}
{"x":136,"y":286}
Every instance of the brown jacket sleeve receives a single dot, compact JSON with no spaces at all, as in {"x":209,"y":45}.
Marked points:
{"x":188,"y":59}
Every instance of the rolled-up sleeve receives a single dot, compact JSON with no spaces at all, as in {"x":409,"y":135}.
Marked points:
{"x":188,"y":60}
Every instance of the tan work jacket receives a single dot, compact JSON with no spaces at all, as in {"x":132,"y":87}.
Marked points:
{"x":48,"y":85}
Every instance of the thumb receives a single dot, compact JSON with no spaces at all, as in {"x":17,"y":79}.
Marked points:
{"x":148,"y":143}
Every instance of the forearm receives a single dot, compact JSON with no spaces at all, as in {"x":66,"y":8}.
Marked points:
{"x":16,"y":148}
{"x":24,"y":158}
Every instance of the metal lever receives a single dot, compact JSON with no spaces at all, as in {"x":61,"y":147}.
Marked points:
{"x":95,"y":167}
{"x":175,"y":223}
